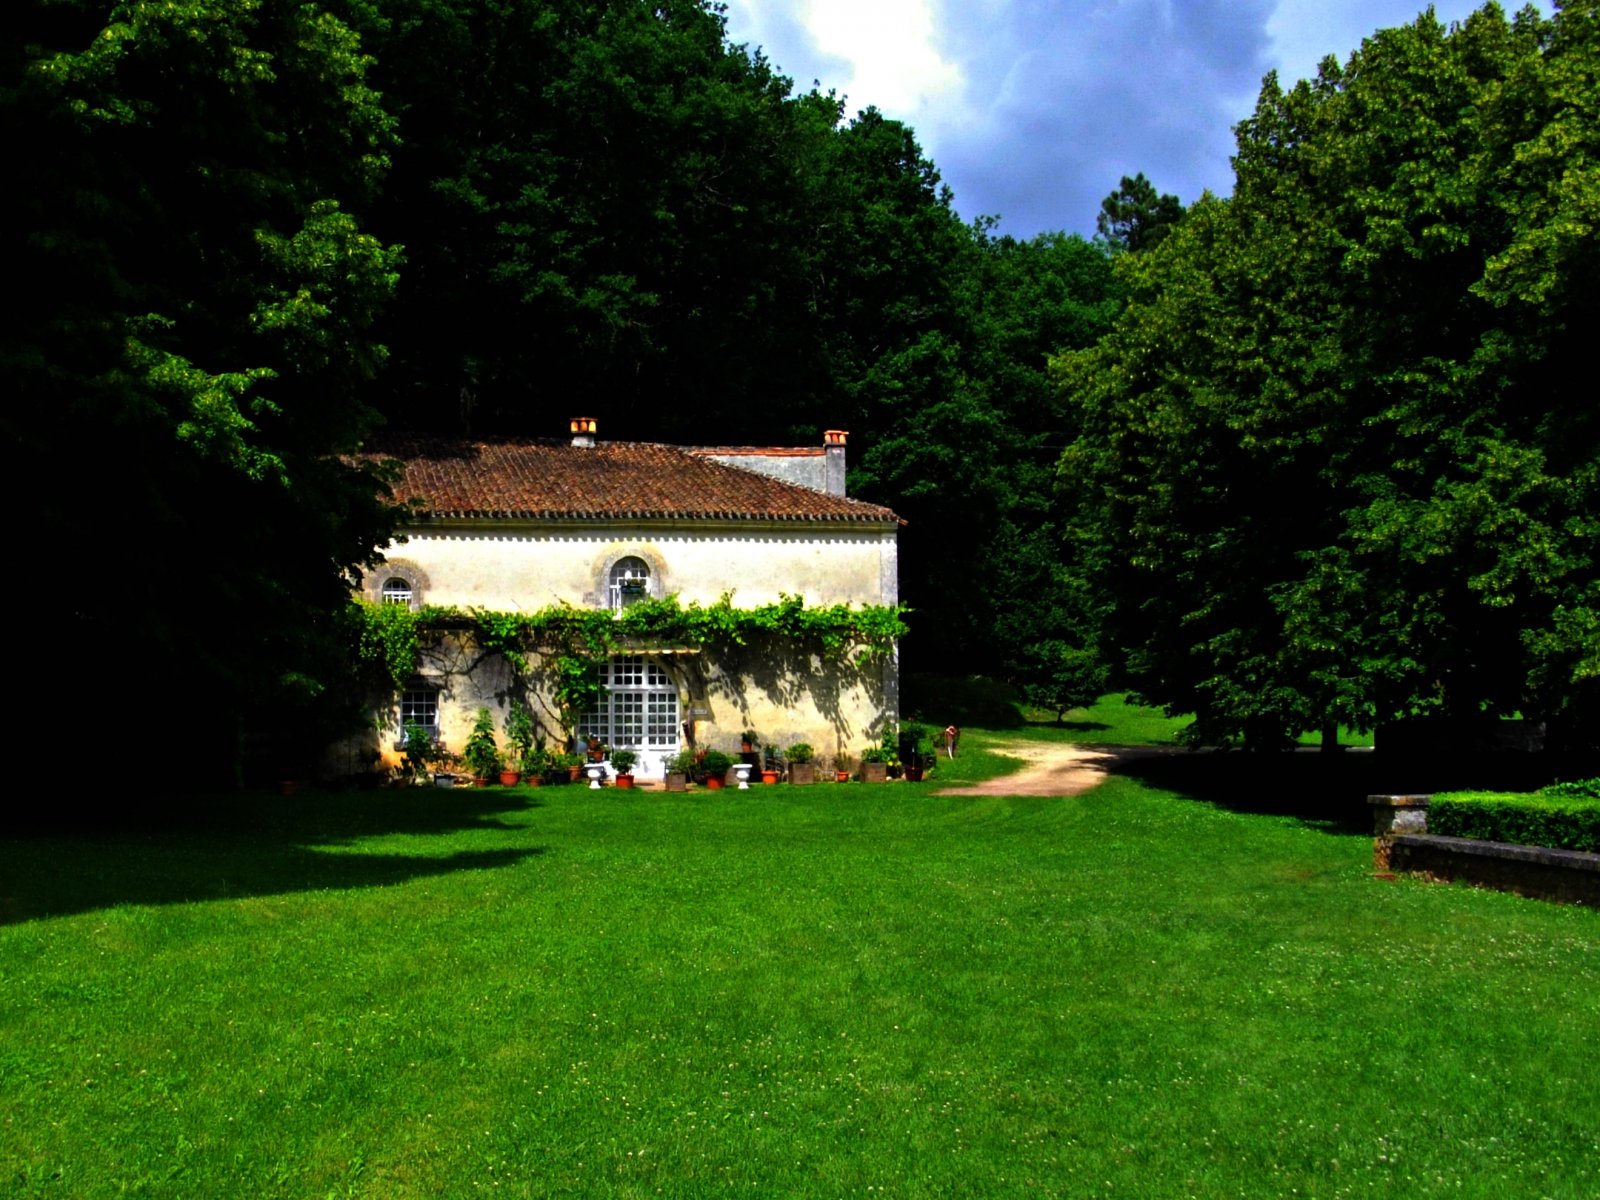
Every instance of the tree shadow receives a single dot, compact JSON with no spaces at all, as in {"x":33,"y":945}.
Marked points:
{"x":1329,"y":791}
{"x":1074,"y":726}
{"x":242,"y":844}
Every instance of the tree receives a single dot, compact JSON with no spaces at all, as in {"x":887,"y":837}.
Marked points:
{"x":185,"y":364}
{"x":1134,"y":217}
{"x":1338,"y":473}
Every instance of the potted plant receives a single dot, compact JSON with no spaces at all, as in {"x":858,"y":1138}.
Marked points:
{"x":801,"y":768}
{"x":914,"y":747}
{"x":446,"y":769}
{"x":772,"y":768}
{"x":519,"y":736}
{"x":841,"y":767}
{"x":420,"y":750}
{"x":622,"y":762}
{"x":874,"y":769}
{"x":748,"y":741}
{"x":482,"y":751}
{"x":679,"y":767}
{"x":715,"y":764}
{"x":535,"y":764}
{"x":570,"y":766}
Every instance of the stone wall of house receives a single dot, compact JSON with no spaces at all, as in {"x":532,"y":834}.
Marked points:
{"x":500,"y":566}
{"x":784,"y":694}
{"x":781,"y":691}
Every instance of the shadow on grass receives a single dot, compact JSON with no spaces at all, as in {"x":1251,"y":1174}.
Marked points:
{"x":1330,"y":791}
{"x":239,"y":844}
{"x":1070,"y":726}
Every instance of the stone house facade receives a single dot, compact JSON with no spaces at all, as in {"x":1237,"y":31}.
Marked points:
{"x":516,"y":525}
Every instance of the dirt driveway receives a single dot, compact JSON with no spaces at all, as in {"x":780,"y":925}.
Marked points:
{"x":1050,"y":769}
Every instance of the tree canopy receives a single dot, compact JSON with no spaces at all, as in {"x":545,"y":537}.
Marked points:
{"x":1335,"y":463}
{"x":1134,"y":217}
{"x":185,"y":363}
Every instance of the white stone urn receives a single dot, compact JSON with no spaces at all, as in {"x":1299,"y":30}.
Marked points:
{"x":596,"y":772}
{"x":742,"y":770}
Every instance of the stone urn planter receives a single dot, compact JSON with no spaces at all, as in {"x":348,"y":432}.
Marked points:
{"x":741,"y":772}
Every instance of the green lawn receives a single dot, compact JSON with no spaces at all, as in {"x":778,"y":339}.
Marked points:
{"x":788,"y":992}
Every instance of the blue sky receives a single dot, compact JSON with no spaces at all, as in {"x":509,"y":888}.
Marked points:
{"x":1034,"y":109}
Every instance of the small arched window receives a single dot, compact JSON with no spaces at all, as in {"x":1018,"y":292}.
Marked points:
{"x":629,"y":582}
{"x":397,"y":591}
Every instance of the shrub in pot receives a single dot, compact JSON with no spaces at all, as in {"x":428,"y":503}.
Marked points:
{"x":622,"y":761}
{"x":482,"y":751}
{"x":715,"y":764}
{"x":802,"y":768}
{"x":679,"y":767}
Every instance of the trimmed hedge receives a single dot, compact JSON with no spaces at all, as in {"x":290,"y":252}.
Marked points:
{"x":1563,"y":823}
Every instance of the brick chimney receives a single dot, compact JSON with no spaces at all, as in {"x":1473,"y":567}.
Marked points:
{"x":583,"y":430}
{"x":833,"y":453}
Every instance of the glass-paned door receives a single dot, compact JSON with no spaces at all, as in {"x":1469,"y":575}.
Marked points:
{"x":639,"y":710}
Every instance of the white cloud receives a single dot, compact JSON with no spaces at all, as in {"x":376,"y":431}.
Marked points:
{"x":891,"y":48}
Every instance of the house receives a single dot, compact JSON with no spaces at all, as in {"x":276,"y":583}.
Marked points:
{"x":513,"y":526}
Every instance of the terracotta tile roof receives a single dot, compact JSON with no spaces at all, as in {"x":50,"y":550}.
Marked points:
{"x":521,"y":479}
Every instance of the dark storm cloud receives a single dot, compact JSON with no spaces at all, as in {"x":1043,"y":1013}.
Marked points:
{"x":1065,"y":98}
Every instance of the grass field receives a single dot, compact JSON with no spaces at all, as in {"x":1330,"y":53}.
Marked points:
{"x":837,"y":990}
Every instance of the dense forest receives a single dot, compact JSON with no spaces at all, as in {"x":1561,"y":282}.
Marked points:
{"x":1322,"y":456}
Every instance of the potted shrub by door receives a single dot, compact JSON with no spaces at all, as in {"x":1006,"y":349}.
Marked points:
{"x":801,"y":768}
{"x":715,"y":765}
{"x":622,"y":762}
{"x":679,"y":768}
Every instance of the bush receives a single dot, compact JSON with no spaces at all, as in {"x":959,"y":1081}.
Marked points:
{"x":715,"y":764}
{"x":1526,"y":820}
{"x":1577,"y":789}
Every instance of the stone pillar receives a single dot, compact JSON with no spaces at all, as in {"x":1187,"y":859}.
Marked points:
{"x":1392,"y":815}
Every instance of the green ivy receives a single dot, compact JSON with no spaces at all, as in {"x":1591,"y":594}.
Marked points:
{"x":390,"y":634}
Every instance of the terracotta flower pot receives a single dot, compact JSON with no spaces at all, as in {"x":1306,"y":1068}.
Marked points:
{"x":713,"y":783}
{"x":841,"y":776}
{"x":624,"y":781}
{"x":510,"y":778}
{"x":769,"y":777}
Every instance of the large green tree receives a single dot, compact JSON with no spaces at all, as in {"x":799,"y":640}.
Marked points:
{"x":185,"y":357}
{"x":1335,"y":465}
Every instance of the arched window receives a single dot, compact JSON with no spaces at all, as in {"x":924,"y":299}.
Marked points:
{"x":629,"y":581}
{"x":397,"y":591}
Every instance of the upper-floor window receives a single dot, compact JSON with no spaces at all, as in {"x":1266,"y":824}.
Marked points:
{"x":397,"y":591}
{"x":629,"y":581}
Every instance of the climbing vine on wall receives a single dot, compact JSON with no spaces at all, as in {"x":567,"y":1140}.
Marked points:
{"x":390,"y":635}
